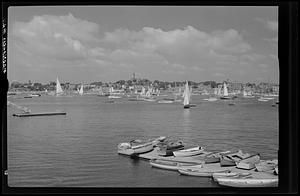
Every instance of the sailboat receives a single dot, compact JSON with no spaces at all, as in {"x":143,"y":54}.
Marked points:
{"x":81,"y":90}
{"x":59,"y":90}
{"x":186,"y":96}
{"x":225,"y":92}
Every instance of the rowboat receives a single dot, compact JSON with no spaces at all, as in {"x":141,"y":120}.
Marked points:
{"x":248,"y":182}
{"x":137,"y":146}
{"x":266,"y":165}
{"x":128,"y":149}
{"x":203,"y":170}
{"x":231,"y":158}
{"x":212,"y":157}
{"x":169,"y":165}
{"x":166,"y":149}
{"x":217,"y":175}
{"x":249,"y":162}
{"x":188,"y":152}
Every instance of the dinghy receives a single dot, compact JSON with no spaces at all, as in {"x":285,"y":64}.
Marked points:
{"x":217,"y":175}
{"x":231,"y":158}
{"x":249,"y":162}
{"x":169,"y":165}
{"x":266,"y":165}
{"x":188,"y":152}
{"x":203,"y":170}
{"x":248,"y":182}
{"x":166,"y":149}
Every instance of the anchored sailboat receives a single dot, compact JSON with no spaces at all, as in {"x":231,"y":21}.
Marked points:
{"x":81,"y":90}
{"x":59,"y":90}
{"x":186,"y":96}
{"x":225,"y":92}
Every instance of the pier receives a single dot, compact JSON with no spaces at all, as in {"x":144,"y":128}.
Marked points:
{"x":39,"y":114}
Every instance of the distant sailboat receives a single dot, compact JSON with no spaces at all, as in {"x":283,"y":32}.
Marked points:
{"x":59,"y":90}
{"x":225,"y":92}
{"x":186,"y":96}
{"x":81,"y":90}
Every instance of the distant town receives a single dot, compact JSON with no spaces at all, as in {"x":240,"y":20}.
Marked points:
{"x":127,"y":86}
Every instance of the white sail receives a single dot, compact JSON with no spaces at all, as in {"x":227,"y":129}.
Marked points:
{"x":58,"y":87}
{"x":143,"y":91}
{"x":245,"y":93}
{"x":81,"y":90}
{"x":225,"y":93}
{"x":186,"y":93}
{"x":215,"y":91}
{"x":219,"y":91}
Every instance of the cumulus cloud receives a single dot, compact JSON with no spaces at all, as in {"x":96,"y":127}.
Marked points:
{"x":269,"y":24}
{"x":67,"y":39}
{"x":61,"y":37}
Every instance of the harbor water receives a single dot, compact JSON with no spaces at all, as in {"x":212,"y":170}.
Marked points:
{"x":80,"y":149}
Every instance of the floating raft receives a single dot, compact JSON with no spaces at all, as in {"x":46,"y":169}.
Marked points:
{"x":39,"y":114}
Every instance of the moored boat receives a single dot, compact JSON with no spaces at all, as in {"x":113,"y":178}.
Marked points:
{"x":35,"y":95}
{"x":169,"y":165}
{"x":217,"y":175}
{"x":135,"y":147}
{"x":266,"y":165}
{"x":166,"y":149}
{"x":248,"y":182}
{"x":230,"y":159}
{"x":188,"y":152}
{"x":249,"y":162}
{"x":202,"y":170}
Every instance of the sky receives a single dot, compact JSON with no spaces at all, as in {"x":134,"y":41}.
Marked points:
{"x":83,"y":44}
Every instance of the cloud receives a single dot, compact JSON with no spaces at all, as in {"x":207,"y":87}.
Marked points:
{"x":272,"y":25}
{"x":67,"y":42}
{"x":61,"y":37}
{"x":269,"y":24}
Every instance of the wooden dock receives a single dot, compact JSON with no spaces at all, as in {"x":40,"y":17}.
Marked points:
{"x":39,"y":114}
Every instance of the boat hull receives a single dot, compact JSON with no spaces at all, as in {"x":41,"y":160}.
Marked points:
{"x":188,"y":152}
{"x":248,"y":182}
{"x":168,"y":165}
{"x":204,"y":171}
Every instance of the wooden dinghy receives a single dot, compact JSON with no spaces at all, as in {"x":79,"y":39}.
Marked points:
{"x":231,"y":158}
{"x":169,"y":165}
{"x":249,"y":162}
{"x":166,"y":149}
{"x":188,"y":152}
{"x":211,"y":157}
{"x":203,"y":170}
{"x":217,"y":175}
{"x":248,"y":182}
{"x":266,"y":165}
{"x":136,"y":147}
